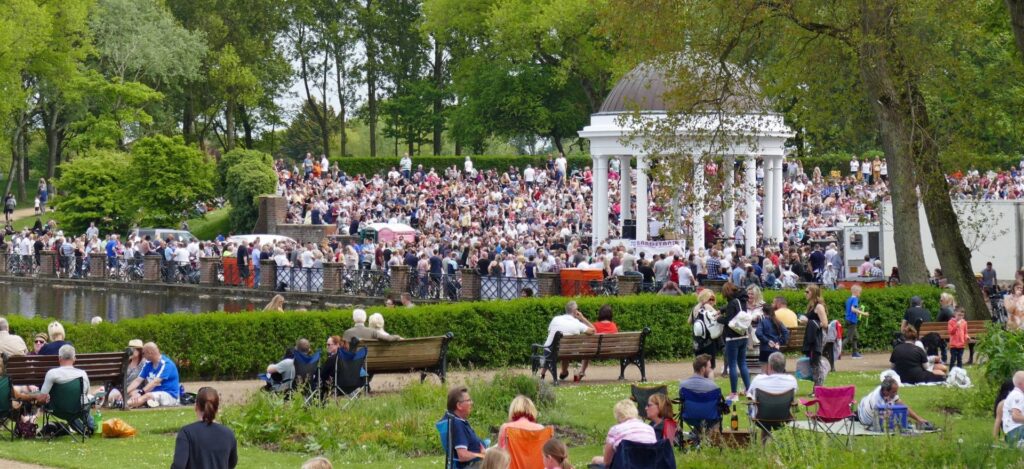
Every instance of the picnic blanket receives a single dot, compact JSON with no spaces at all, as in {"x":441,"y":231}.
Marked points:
{"x":858,"y":429}
{"x":955,"y":377}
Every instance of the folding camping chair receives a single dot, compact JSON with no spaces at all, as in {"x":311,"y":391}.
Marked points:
{"x":525,"y":446}
{"x":68,"y":408}
{"x":442,"y":427}
{"x":641,"y":395}
{"x":632,"y":455}
{"x":834,"y":411}
{"x":702,"y":411}
{"x":306,"y":379}
{"x":349,"y":378}
{"x":772,"y":411}
{"x":8,"y":416}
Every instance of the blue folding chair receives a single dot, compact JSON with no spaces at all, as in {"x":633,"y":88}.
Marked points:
{"x":631,"y":455}
{"x":446,"y":439}
{"x":701,"y":411}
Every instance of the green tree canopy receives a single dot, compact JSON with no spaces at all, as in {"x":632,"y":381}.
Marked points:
{"x":249,"y":178}
{"x":91,"y":189}
{"x":165,"y":179}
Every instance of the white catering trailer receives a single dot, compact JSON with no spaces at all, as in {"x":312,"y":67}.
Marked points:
{"x":993,"y":231}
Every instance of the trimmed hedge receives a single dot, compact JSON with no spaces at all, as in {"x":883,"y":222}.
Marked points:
{"x":950,"y":162}
{"x":487,"y":334}
{"x":365,"y":165}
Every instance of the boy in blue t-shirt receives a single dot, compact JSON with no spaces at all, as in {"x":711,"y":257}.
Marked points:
{"x":853,"y":313}
{"x":160,"y":376}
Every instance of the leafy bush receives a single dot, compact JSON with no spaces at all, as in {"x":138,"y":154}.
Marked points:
{"x":248,"y":174}
{"x":1003,"y":352}
{"x":165,"y":179}
{"x":91,"y":190}
{"x":368,"y":166}
{"x":232,"y":158}
{"x":487,"y":334}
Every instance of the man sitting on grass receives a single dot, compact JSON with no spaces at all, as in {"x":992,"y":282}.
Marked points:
{"x":158,"y":381}
{"x":885,"y":394}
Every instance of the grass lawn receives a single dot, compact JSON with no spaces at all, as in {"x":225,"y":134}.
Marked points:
{"x":209,"y":226}
{"x":582,"y":415}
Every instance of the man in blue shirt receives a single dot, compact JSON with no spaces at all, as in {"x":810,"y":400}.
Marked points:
{"x":160,"y":376}
{"x":467,"y":449}
{"x":853,"y":313}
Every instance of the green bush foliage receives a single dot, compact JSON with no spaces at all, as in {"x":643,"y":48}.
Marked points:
{"x":165,"y":179}
{"x":91,"y":190}
{"x":360,"y":165}
{"x":244,"y":176}
{"x":951,"y":162}
{"x":487,"y":334}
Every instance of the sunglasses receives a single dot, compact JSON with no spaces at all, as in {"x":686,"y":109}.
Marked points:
{"x":40,"y":341}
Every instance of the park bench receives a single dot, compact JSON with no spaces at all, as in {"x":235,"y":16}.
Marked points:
{"x":422,"y":354}
{"x":974,"y":330}
{"x":627,"y":347}
{"x":794,"y":344}
{"x":108,"y":369}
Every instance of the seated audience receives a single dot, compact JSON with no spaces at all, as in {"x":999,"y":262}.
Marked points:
{"x":783,"y":313}
{"x":39,"y":342}
{"x":280,"y":376}
{"x":204,"y":443}
{"x":361,"y":332}
{"x":467,"y":448}
{"x":556,"y":455}
{"x":1013,"y":411}
{"x":9,"y":343}
{"x":915,"y":314}
{"x":884,"y":394}
{"x":628,"y":428}
{"x":521,"y":414}
{"x":909,"y":360}
{"x":773,"y":380}
{"x":158,"y":381}
{"x":56,"y":332}
{"x":318,"y":462}
{"x":700,"y":382}
{"x":376,"y":322}
{"x":114,"y":397}
{"x":496,"y":458}
{"x":659,"y":411}
{"x":772,"y":334}
{"x":571,"y":323}
{"x":1004,"y":391}
{"x":604,"y":325}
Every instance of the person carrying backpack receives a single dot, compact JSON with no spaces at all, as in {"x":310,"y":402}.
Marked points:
{"x":707,"y":332}
{"x":9,"y":204}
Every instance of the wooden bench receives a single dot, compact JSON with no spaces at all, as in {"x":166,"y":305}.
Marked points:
{"x":627,"y":347}
{"x":974,"y":330}
{"x":423,"y":354}
{"x":108,"y":369}
{"x":794,"y":344}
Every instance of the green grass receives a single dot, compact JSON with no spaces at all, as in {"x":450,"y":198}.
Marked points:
{"x":209,"y":226}
{"x":965,"y":441}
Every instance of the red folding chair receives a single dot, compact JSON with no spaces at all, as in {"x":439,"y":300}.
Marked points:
{"x":833,"y":412}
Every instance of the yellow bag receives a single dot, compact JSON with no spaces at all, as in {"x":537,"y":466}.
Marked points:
{"x":117,"y":428}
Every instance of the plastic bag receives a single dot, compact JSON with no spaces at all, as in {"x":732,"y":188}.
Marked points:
{"x":117,"y":428}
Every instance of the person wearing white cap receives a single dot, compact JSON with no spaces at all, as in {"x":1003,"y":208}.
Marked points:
{"x":360,"y":331}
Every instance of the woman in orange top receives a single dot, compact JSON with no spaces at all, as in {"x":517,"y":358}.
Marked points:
{"x":604,"y":325}
{"x":957,"y":338}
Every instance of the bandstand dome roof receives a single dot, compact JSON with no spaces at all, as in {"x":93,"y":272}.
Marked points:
{"x":645,"y":88}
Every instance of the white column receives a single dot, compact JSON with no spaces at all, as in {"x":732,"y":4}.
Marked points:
{"x":641,"y":198}
{"x":625,"y":189}
{"x":729,"y":196}
{"x":599,"y":225}
{"x":697,"y":215}
{"x":750,"y":192}
{"x":766,"y":201}
{"x":777,"y":215}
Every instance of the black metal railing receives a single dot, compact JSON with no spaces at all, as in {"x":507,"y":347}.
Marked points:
{"x":364,"y":282}
{"x":435,"y":286}
{"x":21,"y":266}
{"x":507,"y":288}
{"x":179,"y":272}
{"x":125,"y":270}
{"x":300,"y":279}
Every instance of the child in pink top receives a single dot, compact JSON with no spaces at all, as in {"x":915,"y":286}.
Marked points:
{"x":957,"y":338}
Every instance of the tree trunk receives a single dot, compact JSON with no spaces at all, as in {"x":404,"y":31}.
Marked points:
{"x":1016,"y":9}
{"x":371,"y":77}
{"x":438,"y":101}
{"x":229,"y":124}
{"x":909,"y":143}
{"x":54,"y":131}
{"x":339,"y":73}
{"x":15,"y":144}
{"x":558,"y":143}
{"x":246,"y":118}
{"x":188,"y":119}
{"x":325,"y":122}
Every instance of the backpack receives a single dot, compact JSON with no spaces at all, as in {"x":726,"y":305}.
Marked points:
{"x":705,"y":325}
